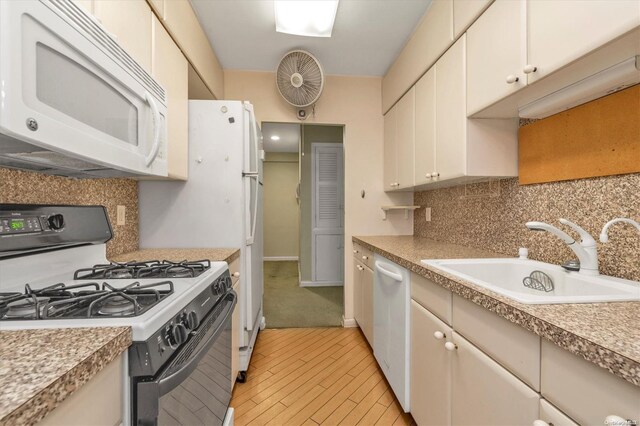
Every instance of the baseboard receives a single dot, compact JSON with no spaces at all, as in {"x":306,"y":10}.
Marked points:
{"x":349,"y":322}
{"x":321,"y":284}
{"x":280,"y":258}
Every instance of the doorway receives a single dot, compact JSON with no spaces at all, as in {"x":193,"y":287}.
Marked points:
{"x":303,"y":225}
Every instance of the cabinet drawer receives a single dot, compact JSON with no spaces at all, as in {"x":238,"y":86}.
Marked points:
{"x":583,"y":390}
{"x":366,"y":257}
{"x":553,"y":416}
{"x":234,"y":270}
{"x":357,"y":249}
{"x":515,"y":348}
{"x":484,"y":393}
{"x":433,"y":297}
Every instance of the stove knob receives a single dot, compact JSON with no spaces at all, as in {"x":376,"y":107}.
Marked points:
{"x":55,"y":222}
{"x":177,"y":335}
{"x":191,"y":321}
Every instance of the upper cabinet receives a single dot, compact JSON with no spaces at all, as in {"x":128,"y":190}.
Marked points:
{"x":399,"y":136}
{"x":514,"y":44}
{"x":425,"y":134}
{"x":560,"y":32}
{"x":130,"y":23}
{"x":449,"y":148}
{"x":433,"y":35}
{"x":465,"y":12}
{"x":496,"y":54}
{"x":171,"y":70}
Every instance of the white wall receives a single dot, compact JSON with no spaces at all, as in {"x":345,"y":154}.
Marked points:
{"x":356,"y":103}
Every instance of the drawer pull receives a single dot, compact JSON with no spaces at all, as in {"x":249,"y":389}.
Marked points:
{"x":512,"y":79}
{"x":365,"y":257}
{"x":236,"y":274}
{"x":541,"y":423}
{"x":355,"y":251}
{"x":528,"y":69}
{"x":450,"y":346}
{"x":439,"y":335}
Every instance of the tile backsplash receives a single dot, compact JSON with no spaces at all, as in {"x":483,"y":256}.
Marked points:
{"x":491,"y":215}
{"x":35,"y":188}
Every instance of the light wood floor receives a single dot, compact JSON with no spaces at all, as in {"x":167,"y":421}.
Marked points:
{"x":309,"y":376}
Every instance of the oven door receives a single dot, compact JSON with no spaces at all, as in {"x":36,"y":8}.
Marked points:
{"x":195,"y":388}
{"x":72,"y":96}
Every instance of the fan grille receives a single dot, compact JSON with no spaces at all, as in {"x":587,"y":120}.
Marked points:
{"x":297,"y":65}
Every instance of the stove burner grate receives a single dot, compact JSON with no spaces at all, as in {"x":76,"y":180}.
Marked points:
{"x":149,"y":269}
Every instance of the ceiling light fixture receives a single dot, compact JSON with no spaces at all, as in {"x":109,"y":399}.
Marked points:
{"x":275,"y":138}
{"x":311,"y":18}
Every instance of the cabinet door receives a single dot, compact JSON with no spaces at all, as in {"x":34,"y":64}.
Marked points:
{"x":367,"y":304}
{"x":170,"y":68}
{"x":405,"y":138}
{"x":390,"y":165}
{"x":430,"y":368}
{"x":451,"y":123}
{"x":484,"y":393}
{"x":465,"y":12}
{"x":496,"y":50}
{"x":130,"y":22}
{"x":552,"y":416}
{"x":425,"y":137}
{"x":357,"y":292}
{"x":560,"y":32}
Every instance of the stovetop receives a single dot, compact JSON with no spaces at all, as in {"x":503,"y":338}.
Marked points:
{"x":84,"y":300}
{"x":146,"y":269}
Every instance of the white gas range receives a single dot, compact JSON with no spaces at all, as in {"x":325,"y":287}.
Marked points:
{"x":54,"y":273}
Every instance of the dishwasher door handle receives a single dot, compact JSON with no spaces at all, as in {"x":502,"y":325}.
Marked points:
{"x":393,"y":275}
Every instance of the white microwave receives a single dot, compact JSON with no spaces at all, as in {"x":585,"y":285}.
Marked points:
{"x":72,"y":101}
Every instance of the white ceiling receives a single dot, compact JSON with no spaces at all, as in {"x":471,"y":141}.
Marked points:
{"x":367,"y":36}
{"x":289,"y":137}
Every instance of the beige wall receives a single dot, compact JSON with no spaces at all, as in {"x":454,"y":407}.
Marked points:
{"x":354,"y":102}
{"x":281,"y":228}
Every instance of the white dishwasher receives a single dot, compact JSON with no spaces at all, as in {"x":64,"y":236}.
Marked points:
{"x":391,"y":316}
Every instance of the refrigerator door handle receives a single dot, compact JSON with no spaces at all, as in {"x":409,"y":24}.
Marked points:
{"x":254,"y":131}
{"x":253,"y":219}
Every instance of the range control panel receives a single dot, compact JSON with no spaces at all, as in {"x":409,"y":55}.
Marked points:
{"x":32,"y":227}
{"x":19,"y":224}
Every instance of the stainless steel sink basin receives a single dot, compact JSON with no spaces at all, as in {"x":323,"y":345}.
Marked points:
{"x":504,"y":276}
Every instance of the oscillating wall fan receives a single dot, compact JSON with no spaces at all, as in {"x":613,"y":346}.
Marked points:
{"x":300,"y":78}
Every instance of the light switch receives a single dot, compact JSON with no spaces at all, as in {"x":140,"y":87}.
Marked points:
{"x":121,"y":214}
{"x":427,"y":214}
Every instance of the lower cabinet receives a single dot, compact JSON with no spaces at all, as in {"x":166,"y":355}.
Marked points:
{"x":484,"y":393}
{"x":552,"y":416}
{"x":367,"y":304}
{"x":98,"y":402}
{"x":363,"y":298}
{"x":430,"y":368}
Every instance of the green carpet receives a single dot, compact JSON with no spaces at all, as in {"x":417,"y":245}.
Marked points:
{"x":286,"y":304}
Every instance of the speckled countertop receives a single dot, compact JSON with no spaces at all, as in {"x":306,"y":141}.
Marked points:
{"x":607,"y":334}
{"x":176,"y":255}
{"x":40,"y":368}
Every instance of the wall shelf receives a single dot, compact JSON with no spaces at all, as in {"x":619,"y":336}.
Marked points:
{"x":406,"y":209}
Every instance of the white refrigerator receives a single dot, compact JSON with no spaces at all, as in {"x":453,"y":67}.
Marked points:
{"x":221,"y":203}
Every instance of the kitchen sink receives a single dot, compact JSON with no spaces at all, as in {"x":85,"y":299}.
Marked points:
{"x":505,"y":276}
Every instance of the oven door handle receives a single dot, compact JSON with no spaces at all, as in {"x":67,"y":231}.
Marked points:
{"x":167,"y":384}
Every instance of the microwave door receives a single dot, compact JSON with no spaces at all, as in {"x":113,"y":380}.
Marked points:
{"x":84,"y":103}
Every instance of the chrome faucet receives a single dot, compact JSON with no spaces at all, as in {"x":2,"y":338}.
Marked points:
{"x":604,"y":235}
{"x":586,"y":250}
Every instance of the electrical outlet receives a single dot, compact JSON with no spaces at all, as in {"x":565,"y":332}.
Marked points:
{"x":427,"y":214}
{"x":121,"y":214}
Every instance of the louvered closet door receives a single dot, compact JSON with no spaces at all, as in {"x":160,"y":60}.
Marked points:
{"x":328,"y":216}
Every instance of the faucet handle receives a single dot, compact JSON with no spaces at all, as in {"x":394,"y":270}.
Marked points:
{"x":587,"y":239}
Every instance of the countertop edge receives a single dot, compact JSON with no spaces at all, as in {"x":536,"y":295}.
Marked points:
{"x":612,"y":361}
{"x":48,"y":399}
{"x":133,"y":254}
